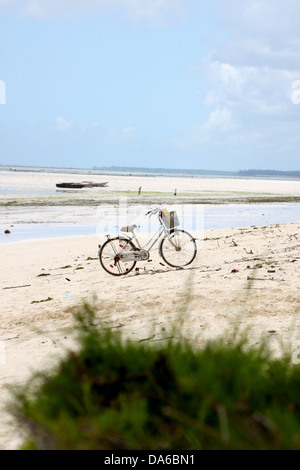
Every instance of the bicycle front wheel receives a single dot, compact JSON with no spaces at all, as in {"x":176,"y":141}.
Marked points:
{"x":179,"y":249}
{"x":111,"y":259}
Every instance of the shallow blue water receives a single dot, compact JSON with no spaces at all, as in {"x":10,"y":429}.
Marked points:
{"x":192,"y":217}
{"x":20,"y":232}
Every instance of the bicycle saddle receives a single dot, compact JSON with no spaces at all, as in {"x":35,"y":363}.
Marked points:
{"x":130,"y":228}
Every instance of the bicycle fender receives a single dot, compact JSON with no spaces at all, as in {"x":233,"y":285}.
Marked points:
{"x":120,"y":237}
{"x":127,"y":238}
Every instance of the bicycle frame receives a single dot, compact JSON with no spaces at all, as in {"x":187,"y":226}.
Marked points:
{"x":150,"y":243}
{"x":136,"y":255}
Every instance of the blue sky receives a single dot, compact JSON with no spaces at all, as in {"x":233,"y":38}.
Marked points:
{"x":204,"y":84}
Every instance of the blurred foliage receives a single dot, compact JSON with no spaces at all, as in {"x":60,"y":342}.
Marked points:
{"x":113,"y":394}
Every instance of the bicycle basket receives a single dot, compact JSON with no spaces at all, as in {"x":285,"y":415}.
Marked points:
{"x":169,"y":219}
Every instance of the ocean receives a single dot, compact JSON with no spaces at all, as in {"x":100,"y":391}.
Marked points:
{"x":72,"y":221}
{"x":25,"y":222}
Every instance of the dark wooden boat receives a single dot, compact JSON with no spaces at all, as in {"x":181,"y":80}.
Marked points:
{"x":84,"y":184}
{"x":90,"y":184}
{"x":70,"y":185}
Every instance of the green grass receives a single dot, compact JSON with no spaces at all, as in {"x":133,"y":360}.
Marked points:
{"x":151,"y":197}
{"x":113,"y":394}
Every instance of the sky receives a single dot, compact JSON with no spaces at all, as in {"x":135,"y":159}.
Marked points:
{"x":199,"y":84}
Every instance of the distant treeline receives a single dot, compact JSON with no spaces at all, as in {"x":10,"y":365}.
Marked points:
{"x":285,"y":174}
{"x":173,"y":171}
{"x":182,"y":171}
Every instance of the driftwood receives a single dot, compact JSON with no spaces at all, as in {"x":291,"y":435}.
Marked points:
{"x":242,"y":260}
{"x":17,"y":287}
{"x":264,"y":279}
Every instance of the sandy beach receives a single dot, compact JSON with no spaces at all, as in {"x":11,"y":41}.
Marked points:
{"x":39,"y":188}
{"x":246,"y":278}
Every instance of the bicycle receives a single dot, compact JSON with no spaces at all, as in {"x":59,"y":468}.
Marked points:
{"x":118,"y":255}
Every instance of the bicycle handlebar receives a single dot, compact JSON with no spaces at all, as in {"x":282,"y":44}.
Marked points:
{"x":153,"y":211}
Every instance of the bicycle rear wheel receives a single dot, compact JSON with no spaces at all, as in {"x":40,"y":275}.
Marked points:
{"x":179,"y":249}
{"x":110,"y":259}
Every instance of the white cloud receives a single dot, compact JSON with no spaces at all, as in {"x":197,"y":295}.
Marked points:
{"x":152,"y":9}
{"x":128,"y":130}
{"x":249,"y":81}
{"x":217,"y":129}
{"x":220,"y":119}
{"x":246,"y":89}
{"x":92,"y":125}
{"x":63,"y":125}
{"x":262,"y":18}
{"x":52,"y":9}
{"x":260,"y":33}
{"x":249,"y":105}
{"x":120,"y":135}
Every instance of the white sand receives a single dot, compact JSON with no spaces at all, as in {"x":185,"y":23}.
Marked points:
{"x":41,"y":182}
{"x":145,"y":304}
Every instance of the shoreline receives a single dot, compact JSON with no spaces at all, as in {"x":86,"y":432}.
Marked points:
{"x":24,"y":223}
{"x":149,"y":200}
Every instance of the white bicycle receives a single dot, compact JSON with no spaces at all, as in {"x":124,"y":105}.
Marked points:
{"x":118,"y":255}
